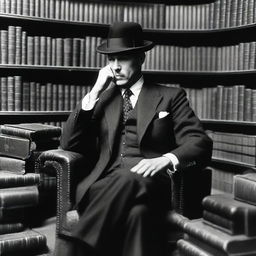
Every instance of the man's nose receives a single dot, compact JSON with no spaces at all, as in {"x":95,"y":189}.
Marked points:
{"x":116,"y":65}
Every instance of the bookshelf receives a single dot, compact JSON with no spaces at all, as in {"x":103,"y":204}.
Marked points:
{"x":229,"y":32}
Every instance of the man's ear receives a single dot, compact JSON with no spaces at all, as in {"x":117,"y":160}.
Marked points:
{"x":142,"y":57}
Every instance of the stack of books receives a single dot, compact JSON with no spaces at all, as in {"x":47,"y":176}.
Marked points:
{"x":20,"y":186}
{"x":228,"y":223}
{"x":21,"y":144}
{"x":18,"y":195}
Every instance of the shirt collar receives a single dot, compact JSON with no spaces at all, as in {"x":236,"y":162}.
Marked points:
{"x":136,"y":88}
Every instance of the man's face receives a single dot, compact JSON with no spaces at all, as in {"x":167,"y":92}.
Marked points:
{"x":126,"y":68}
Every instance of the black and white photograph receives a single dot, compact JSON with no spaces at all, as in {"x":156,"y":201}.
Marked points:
{"x":128,"y":128}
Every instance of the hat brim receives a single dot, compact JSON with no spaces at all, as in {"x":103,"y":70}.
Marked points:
{"x":103,"y":49}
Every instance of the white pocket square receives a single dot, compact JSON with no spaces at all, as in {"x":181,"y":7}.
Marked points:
{"x":163,"y":114}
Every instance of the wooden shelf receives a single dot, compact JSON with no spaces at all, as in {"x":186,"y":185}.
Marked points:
{"x":229,"y":122}
{"x":230,"y":126}
{"x":75,"y":75}
{"x":60,"y":28}
{"x":234,"y":163}
{"x":158,"y":72}
{"x":186,"y":78}
{"x":32,"y":116}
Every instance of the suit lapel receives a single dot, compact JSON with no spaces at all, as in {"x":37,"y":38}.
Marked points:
{"x":148,"y":101}
{"x":113,"y":110}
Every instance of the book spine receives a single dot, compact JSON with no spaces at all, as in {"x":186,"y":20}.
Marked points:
{"x":10,"y":93}
{"x":32,"y":96}
{"x":222,"y":223}
{"x":13,"y":214}
{"x":24,"y":48}
{"x":4,"y":46}
{"x":192,"y":249}
{"x":28,"y":241}
{"x":43,"y":50}
{"x":67,"y":46}
{"x":7,"y":228}
{"x":245,"y":189}
{"x":13,"y":165}
{"x":19,"y":197}
{"x":30,"y":50}
{"x":4,"y":94}
{"x":18,"y":36}
{"x":229,"y":245}
{"x":27,"y":131}
{"x":25,"y":97}
{"x":10,"y":179}
{"x":11,"y":44}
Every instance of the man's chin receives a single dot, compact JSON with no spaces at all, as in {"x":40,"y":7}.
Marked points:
{"x":121,"y":83}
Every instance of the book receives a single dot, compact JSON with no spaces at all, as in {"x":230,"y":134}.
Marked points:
{"x":19,"y":166}
{"x":33,"y":131}
{"x":186,"y":247}
{"x":227,"y":244}
{"x":27,"y":240}
{"x":19,"y":197}
{"x":21,"y":148}
{"x":245,"y":188}
{"x":13,"y":165}
{"x":234,"y":216}
{"x":11,"y":179}
{"x":6,"y":228}
{"x":14,"y":214}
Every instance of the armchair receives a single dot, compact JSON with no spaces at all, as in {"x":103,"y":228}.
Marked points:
{"x":189,"y":188}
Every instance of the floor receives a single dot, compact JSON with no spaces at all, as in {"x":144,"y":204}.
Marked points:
{"x":48,"y":229}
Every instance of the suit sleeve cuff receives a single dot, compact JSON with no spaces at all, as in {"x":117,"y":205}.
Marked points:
{"x":174,"y":162}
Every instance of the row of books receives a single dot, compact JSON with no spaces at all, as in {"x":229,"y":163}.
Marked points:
{"x":222,"y":179}
{"x":219,"y":14}
{"x":227,"y":226}
{"x":19,"y":95}
{"x":236,"y":103}
{"x":202,"y":58}
{"x":55,"y":123}
{"x":19,"y":48}
{"x":21,"y":187}
{"x":239,"y":148}
{"x":150,"y":15}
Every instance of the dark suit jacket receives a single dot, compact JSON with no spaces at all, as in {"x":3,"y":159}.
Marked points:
{"x":180,"y":132}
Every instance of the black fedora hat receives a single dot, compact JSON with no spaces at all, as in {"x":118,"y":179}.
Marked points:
{"x":125,"y":37}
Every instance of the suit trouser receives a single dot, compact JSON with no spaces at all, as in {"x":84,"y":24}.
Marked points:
{"x":123,"y":214}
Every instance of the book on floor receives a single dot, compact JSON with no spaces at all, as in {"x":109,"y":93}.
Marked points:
{"x":27,"y":240}
{"x":11,"y":179}
{"x":230,"y":215}
{"x":32,"y":131}
{"x":245,"y":188}
{"x":22,"y":148}
{"x":225,"y":243}
{"x":19,"y":197}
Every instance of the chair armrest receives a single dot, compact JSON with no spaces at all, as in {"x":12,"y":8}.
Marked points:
{"x":189,"y":187}
{"x":64,"y":165}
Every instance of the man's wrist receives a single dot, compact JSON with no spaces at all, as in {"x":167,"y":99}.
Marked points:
{"x":88,"y":102}
{"x":174,"y":162}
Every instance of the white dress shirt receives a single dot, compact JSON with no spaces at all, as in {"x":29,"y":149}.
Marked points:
{"x":89,"y":102}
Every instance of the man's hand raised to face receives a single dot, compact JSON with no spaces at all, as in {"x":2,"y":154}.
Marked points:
{"x":105,"y":77}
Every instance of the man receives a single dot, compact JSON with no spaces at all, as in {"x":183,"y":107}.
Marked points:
{"x":136,"y":134}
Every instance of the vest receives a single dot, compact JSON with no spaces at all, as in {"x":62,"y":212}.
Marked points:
{"x":126,"y":152}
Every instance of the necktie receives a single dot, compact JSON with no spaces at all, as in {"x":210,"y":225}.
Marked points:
{"x":127,"y":105}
